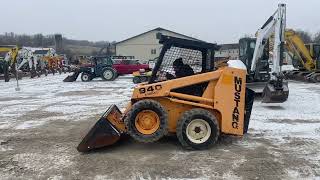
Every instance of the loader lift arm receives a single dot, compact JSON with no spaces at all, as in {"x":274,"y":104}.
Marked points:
{"x":276,"y":90}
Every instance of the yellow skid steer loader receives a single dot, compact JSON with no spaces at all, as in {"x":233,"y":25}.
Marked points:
{"x":185,"y":96}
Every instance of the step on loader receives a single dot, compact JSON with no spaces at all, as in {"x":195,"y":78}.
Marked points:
{"x":185,"y":96}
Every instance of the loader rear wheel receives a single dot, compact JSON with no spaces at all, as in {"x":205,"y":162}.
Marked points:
{"x":147,"y":121}
{"x":198,"y":129}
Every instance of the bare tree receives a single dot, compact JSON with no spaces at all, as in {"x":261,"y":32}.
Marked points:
{"x":316,"y":38}
{"x":305,"y":36}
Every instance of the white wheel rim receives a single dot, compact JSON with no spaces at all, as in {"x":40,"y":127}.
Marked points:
{"x":198,"y":131}
{"x":107,"y":74}
{"x":85,"y":77}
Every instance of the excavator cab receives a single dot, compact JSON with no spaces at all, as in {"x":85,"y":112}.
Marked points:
{"x":273,"y":91}
{"x":314,"y":50}
{"x":246,"y":50}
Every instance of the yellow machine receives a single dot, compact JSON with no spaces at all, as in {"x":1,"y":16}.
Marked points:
{"x":141,"y":76}
{"x":9,"y":60}
{"x":198,"y":107}
{"x":54,"y":63}
{"x":305,"y":57}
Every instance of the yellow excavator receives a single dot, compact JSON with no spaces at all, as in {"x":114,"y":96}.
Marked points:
{"x":305,"y":57}
{"x":8,"y":62}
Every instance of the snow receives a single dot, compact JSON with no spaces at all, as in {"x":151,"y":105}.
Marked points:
{"x":237,"y":64}
{"x":29,"y":124}
{"x":28,"y":108}
{"x":299,"y":116}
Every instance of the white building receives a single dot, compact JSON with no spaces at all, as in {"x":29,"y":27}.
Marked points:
{"x":229,"y":51}
{"x":145,"y":46}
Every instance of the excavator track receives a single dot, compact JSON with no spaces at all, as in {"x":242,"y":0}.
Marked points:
{"x":305,"y":76}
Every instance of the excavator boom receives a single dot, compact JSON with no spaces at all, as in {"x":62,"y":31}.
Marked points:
{"x":276,"y":89}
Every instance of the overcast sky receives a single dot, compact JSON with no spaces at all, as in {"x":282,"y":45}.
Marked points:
{"x":222,"y":21}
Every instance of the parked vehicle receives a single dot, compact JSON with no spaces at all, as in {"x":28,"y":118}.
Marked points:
{"x":129,"y":66}
{"x":98,"y":67}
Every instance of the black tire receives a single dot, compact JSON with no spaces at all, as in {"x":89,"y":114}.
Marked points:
{"x":315,"y":78}
{"x":109,"y":74}
{"x":197,"y":114}
{"x":136,"y":80}
{"x":144,"y":79}
{"x":86,"y":77}
{"x":147,"y":105}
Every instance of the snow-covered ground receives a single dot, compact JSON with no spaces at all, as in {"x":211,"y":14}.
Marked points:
{"x":62,"y":100}
{"x":41,"y":124}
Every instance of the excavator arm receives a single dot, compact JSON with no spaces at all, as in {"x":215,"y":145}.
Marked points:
{"x":10,"y":60}
{"x":276,"y":90}
{"x":12,"y":54}
{"x":295,"y":45}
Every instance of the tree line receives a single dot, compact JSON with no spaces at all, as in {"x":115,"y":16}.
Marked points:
{"x":40,"y":40}
{"x":309,"y":37}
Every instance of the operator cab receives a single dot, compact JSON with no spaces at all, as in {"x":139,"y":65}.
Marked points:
{"x":247,"y":47}
{"x":181,"y":58}
{"x":96,"y":60}
{"x":197,"y":55}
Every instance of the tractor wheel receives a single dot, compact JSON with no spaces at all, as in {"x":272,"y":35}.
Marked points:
{"x":86,"y":77}
{"x":147,"y":121}
{"x":197,"y":129}
{"x":109,"y":74}
{"x":136,"y":80}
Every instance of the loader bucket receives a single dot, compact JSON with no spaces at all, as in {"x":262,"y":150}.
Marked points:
{"x":248,"y":107}
{"x":273,"y":94}
{"x":104,"y":132}
{"x":72,"y":77}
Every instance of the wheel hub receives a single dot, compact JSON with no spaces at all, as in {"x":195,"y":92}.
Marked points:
{"x":107,"y":74}
{"x":147,"y":122}
{"x":198,"y":131}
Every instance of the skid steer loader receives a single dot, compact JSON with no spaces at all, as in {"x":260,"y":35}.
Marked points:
{"x":197,"y":107}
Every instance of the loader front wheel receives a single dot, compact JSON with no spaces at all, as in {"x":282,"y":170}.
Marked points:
{"x":86,"y":77}
{"x":198,"y":129}
{"x":147,"y":121}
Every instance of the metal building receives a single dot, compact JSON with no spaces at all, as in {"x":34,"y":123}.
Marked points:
{"x":145,"y":46}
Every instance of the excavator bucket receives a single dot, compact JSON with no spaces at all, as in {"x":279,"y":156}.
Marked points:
{"x":72,"y":77}
{"x":105,"y":132}
{"x":273,"y":93}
